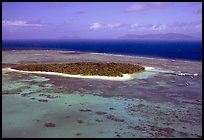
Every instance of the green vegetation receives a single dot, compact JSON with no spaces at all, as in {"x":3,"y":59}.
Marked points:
{"x":85,"y":68}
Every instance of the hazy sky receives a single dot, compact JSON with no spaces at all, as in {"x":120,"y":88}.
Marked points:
{"x":43,"y":20}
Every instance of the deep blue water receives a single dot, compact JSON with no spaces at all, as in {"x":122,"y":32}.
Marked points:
{"x":186,"y":50}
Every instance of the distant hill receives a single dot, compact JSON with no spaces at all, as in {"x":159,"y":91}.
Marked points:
{"x":168,"y":36}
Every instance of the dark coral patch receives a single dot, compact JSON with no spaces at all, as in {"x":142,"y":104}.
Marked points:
{"x":112,"y":117}
{"x":183,"y":134}
{"x":85,"y":110}
{"x":43,"y":100}
{"x":97,"y":120}
{"x":137,"y":128}
{"x":49,"y":96}
{"x":101,"y":113}
{"x":49,"y":124}
{"x":111,"y":108}
{"x":24,"y":94}
{"x":78,"y":134}
{"x":167,"y":132}
{"x":79,"y":121}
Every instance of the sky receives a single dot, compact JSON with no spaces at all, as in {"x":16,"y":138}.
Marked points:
{"x":98,"y":20}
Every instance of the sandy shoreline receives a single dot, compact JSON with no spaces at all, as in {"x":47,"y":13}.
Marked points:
{"x":149,"y":68}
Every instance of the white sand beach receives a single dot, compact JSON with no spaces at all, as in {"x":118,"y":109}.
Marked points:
{"x":149,"y":68}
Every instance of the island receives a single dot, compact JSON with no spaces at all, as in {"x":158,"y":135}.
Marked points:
{"x":85,"y":68}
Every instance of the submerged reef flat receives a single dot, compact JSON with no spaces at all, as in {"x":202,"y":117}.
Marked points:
{"x":85,"y":68}
{"x":164,"y":101}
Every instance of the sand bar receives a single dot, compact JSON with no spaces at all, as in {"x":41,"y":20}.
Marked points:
{"x":149,"y":68}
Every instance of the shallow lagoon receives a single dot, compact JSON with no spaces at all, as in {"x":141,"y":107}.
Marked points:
{"x":153,"y":104}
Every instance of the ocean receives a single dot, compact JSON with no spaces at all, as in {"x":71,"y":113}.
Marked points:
{"x":184,"y":50}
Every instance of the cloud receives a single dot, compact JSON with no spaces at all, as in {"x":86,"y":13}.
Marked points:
{"x":95,"y":26}
{"x":149,"y":27}
{"x":20,"y":23}
{"x":186,"y":25}
{"x":193,"y":25}
{"x":138,"y":7}
{"x":111,"y":26}
{"x":158,"y":27}
{"x":116,"y":26}
{"x":181,"y":26}
{"x":134,"y":27}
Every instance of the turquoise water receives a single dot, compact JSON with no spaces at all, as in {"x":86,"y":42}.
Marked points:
{"x":24,"y":117}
